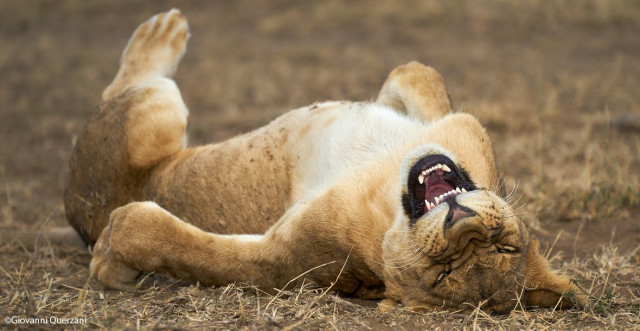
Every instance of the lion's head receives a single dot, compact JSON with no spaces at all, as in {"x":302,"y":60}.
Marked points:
{"x":456,"y":245}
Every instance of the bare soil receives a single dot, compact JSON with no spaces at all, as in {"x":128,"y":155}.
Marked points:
{"x":556,"y":84}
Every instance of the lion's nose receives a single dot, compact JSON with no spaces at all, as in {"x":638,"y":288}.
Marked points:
{"x":456,"y":213}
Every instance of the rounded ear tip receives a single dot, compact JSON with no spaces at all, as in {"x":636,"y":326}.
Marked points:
{"x":579,"y":297}
{"x":576,"y":296}
{"x":581,"y":300}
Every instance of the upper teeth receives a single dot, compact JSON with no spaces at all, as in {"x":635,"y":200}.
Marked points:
{"x":440,"y":199}
{"x":424,"y":173}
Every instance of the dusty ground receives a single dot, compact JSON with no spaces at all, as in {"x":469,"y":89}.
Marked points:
{"x":555,"y":82}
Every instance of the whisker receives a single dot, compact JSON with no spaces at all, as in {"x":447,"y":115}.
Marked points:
{"x":415,"y":246}
{"x":513,"y":193}
{"x":407,"y":267}
{"x":499,"y":186}
{"x":409,"y":258}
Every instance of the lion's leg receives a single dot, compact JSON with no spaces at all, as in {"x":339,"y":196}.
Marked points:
{"x":141,"y":121}
{"x":154,"y":50}
{"x":143,"y":237}
{"x":156,"y":122}
{"x":416,"y":90}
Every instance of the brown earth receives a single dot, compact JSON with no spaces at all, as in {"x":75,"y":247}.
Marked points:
{"x":556,"y":83}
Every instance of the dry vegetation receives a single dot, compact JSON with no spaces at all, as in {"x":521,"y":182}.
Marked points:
{"x":556,"y":83}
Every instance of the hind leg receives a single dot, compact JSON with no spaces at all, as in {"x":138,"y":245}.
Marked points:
{"x":154,"y":50}
{"x":156,"y":122}
{"x":141,"y":121}
{"x":416,"y":90}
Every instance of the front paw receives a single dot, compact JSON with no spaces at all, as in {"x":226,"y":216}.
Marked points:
{"x":129,"y":245}
{"x":107,"y":265}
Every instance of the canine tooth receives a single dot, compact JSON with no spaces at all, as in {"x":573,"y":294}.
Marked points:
{"x":427,"y":204}
{"x":421,"y":179}
{"x":446,"y":168}
{"x":463,"y":190}
{"x":437,"y":200}
{"x":458,"y":190}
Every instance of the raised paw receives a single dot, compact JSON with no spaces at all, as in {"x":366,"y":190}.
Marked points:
{"x":154,"y":50}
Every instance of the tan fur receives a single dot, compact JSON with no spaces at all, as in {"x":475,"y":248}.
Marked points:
{"x":404,"y":91}
{"x":154,"y":121}
{"x":317,"y":193}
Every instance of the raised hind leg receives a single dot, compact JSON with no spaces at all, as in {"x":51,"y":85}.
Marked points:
{"x":154,"y":50}
{"x":416,"y":90}
{"x":141,"y":121}
{"x":156,"y":123}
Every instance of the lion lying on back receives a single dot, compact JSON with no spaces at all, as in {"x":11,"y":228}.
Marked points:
{"x":393,"y":199}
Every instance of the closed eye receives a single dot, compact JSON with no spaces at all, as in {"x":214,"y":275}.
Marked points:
{"x":441,"y":277}
{"x":507,"y":249}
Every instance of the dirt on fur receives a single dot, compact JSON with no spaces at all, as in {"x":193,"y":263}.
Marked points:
{"x":556,"y":84}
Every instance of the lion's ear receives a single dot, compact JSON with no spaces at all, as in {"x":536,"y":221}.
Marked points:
{"x":544,"y":288}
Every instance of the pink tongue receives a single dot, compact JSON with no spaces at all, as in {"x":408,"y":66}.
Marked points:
{"x":436,"y":186}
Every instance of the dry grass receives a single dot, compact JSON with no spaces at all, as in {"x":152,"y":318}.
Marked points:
{"x":555,"y":82}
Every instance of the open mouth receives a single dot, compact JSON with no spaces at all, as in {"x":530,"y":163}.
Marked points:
{"x":434,"y":180}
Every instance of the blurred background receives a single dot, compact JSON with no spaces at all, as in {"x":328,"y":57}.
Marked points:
{"x":556,"y":83}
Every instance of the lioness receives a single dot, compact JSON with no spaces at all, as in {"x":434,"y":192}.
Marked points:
{"x":392,"y":199}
